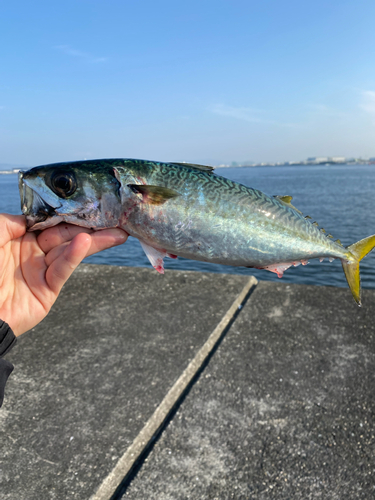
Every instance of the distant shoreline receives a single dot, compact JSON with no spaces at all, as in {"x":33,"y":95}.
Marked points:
{"x":15,"y":171}
{"x":254,"y":165}
{"x":300,"y":164}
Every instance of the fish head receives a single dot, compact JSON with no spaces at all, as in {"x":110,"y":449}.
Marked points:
{"x":81,"y":193}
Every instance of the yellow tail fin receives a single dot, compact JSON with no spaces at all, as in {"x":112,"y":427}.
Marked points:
{"x":351,"y":267}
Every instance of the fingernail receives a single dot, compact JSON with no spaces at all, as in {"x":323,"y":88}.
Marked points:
{"x":119,"y":234}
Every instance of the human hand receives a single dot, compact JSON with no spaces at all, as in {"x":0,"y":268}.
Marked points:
{"x":34,"y":267}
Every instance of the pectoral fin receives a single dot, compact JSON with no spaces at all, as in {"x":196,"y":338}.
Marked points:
{"x":155,"y":195}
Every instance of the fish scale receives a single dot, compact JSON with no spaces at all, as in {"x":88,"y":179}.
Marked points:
{"x":185,"y":210}
{"x":219,"y":191}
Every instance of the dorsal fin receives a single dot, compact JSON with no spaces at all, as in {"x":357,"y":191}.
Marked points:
{"x":323,"y":231}
{"x":286,"y":200}
{"x":204,"y":168}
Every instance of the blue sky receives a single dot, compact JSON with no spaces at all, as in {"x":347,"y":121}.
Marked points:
{"x":200,"y":81}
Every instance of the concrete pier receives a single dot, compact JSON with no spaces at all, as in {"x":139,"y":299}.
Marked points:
{"x":192,"y":385}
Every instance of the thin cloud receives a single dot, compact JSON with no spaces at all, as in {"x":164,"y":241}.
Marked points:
{"x":250,"y":115}
{"x":368,"y":102}
{"x":66,"y":49}
{"x":246,"y":114}
{"x":323,"y":110}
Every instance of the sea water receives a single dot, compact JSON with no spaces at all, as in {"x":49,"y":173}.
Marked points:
{"x":341,"y":198}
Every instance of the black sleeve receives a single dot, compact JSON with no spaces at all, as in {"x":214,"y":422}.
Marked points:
{"x":7,"y":341}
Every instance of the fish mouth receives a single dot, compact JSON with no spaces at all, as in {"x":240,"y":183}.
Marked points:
{"x":34,"y":207}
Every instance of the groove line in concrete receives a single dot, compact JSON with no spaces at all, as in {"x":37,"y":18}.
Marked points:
{"x":126,"y":463}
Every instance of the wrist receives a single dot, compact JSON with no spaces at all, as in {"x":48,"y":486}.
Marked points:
{"x":7,"y":341}
{"x":7,"y":338}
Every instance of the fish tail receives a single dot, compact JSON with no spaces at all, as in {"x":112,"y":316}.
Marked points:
{"x":351,"y":266}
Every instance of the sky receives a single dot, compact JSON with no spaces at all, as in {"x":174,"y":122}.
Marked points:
{"x":200,"y":81}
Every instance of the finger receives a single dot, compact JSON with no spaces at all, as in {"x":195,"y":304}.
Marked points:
{"x":12,"y":227}
{"x":100,"y":240}
{"x":32,"y":265}
{"x":56,"y":235}
{"x":62,"y":267}
{"x":55,"y":253}
{"x":107,"y":238}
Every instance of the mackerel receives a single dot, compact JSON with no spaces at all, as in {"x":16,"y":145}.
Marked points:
{"x":180,"y":209}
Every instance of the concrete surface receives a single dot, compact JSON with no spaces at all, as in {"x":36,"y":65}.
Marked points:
{"x":89,"y":377}
{"x":284,"y":410}
{"x":135,"y":453}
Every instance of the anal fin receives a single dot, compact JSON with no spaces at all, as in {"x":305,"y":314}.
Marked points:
{"x":280,"y":268}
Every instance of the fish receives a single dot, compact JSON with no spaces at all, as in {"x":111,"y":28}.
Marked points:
{"x":186,"y":210}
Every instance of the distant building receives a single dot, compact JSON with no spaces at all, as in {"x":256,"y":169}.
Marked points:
{"x":318,"y":159}
{"x":337,"y":159}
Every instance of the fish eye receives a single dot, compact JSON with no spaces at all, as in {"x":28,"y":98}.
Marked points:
{"x":63,"y":184}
